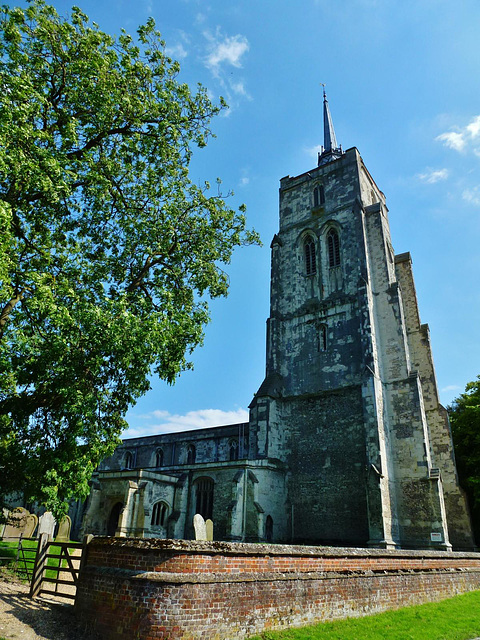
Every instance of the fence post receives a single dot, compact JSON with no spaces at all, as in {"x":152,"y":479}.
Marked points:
{"x":19,"y":546}
{"x":39,"y":566}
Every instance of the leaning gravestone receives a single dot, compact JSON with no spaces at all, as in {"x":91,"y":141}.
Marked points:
{"x":30,"y":526}
{"x":209,"y":527}
{"x":46,"y":524}
{"x":199,"y":526}
{"x":16,"y":523}
{"x":63,"y":534}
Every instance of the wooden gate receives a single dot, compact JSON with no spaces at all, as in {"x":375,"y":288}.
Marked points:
{"x":56,"y":569}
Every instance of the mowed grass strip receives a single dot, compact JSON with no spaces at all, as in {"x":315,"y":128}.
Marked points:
{"x":457,"y":618}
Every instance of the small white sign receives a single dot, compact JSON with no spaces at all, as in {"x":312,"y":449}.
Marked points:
{"x":436,"y":537}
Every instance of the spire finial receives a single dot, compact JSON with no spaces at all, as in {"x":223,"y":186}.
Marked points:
{"x":331,"y":149}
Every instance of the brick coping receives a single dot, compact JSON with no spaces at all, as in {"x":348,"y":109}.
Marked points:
{"x":217,"y":578}
{"x":262,"y":549}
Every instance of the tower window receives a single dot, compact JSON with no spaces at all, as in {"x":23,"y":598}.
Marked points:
{"x":322,"y":338}
{"x":318,"y":196}
{"x":159,"y":458}
{"x":310,"y":260}
{"x":159,"y":514}
{"x":333,"y":243}
{"x":204,"y":497}
{"x":191,"y":454}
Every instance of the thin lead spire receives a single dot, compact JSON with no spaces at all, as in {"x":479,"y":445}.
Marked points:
{"x":330,"y":150}
{"x":329,"y":139}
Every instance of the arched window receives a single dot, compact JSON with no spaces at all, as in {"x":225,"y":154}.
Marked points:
{"x":322,"y":338}
{"x":112,"y":522}
{"x":159,"y":514}
{"x":191,"y":454}
{"x":310,"y":261}
{"x":318,"y":196}
{"x":129,"y":460}
{"x":204,"y":497}
{"x":159,"y":458}
{"x":233,"y":448}
{"x":333,"y":244}
{"x":269,"y":529}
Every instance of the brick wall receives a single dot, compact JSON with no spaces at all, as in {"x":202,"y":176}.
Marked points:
{"x":150,"y":589}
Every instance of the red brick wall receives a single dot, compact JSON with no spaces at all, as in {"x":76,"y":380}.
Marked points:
{"x":149,"y":589}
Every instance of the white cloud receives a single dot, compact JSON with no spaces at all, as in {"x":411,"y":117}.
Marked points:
{"x":451,"y":387}
{"x":158,"y":421}
{"x":313,"y":151}
{"x":225,"y":50}
{"x":244,"y":181}
{"x":176,"y":51}
{"x":433,"y":175}
{"x":472,"y":196}
{"x":462,"y":136}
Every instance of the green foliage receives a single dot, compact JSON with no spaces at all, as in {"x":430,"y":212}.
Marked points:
{"x":465,"y":421}
{"x":107,"y":249}
{"x":453,"y":619}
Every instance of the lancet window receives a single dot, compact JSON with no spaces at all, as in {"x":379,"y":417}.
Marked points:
{"x":310,"y":257}
{"x":333,"y":244}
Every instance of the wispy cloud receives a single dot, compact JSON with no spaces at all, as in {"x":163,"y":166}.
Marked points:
{"x":313,"y":151}
{"x":461,"y":138}
{"x":176,"y":51}
{"x":225,"y":56}
{"x":159,"y":421}
{"x":431,"y":176}
{"x":225,"y":50}
{"x":451,"y":387}
{"x":472,"y":196}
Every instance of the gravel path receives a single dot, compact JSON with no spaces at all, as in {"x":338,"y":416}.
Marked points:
{"x":39,"y":619}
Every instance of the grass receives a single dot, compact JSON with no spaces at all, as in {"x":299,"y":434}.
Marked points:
{"x":457,"y":618}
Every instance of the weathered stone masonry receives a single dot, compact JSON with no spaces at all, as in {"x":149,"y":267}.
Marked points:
{"x":133,"y":589}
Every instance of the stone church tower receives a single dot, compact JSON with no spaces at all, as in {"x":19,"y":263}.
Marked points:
{"x":347,"y":442}
{"x":349,"y":403}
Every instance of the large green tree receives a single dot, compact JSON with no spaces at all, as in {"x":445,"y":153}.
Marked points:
{"x":465,"y":421}
{"x":108,"y":251}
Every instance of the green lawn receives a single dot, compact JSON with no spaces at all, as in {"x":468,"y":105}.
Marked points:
{"x":457,"y":618}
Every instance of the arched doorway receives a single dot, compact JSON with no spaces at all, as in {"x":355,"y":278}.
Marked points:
{"x":112,"y":523}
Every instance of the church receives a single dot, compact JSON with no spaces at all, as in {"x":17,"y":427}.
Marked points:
{"x":347,"y":442}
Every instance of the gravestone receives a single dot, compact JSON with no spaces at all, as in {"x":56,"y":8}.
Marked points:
{"x":30,"y":526}
{"x":46,"y":524}
{"x":63,"y":534}
{"x":209,"y":527}
{"x":199,"y":526}
{"x":16,"y":523}
{"x":3,"y":523}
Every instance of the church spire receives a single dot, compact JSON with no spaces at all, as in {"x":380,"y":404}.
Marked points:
{"x":330,"y":150}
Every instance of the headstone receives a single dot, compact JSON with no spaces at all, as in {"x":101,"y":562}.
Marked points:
{"x":3,"y":522}
{"x":30,"y":526}
{"x":209,"y":527}
{"x":16,"y":523}
{"x":63,"y":534}
{"x":199,"y":526}
{"x":46,"y":524}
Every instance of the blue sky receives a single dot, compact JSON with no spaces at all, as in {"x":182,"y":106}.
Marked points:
{"x":403,"y":85}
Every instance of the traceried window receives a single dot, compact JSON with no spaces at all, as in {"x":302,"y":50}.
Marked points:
{"x":159,"y":514}
{"x":333,"y":245}
{"x":129,"y":460}
{"x":310,"y":258}
{"x":269,"y":529}
{"x":204,"y":497}
{"x":191,"y":454}
{"x":318,"y":196}
{"x":233,"y":449}
{"x":159,"y":458}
